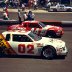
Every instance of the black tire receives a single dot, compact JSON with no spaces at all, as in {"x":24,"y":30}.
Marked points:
{"x":2,"y":53}
{"x":48,"y":52}
{"x":69,"y":10}
{"x":54,"y":10}
{"x":59,"y":36}
{"x":51,"y":34}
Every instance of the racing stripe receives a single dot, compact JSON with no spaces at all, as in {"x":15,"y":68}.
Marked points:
{"x":6,"y":48}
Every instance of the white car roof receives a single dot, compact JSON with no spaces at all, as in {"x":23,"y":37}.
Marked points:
{"x":17,"y":32}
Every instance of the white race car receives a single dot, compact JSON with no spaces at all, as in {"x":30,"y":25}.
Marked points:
{"x":60,"y":7}
{"x":28,"y":43}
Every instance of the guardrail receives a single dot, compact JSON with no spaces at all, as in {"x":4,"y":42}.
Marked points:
{"x":57,"y":23}
{"x":62,"y":23}
{"x":66,"y":23}
{"x":9,"y":22}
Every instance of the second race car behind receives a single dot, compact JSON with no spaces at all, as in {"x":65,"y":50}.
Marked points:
{"x":39,"y":28}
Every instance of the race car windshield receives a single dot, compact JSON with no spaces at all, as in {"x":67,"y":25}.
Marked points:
{"x":34,"y":36}
{"x":62,"y":6}
{"x":41,"y":24}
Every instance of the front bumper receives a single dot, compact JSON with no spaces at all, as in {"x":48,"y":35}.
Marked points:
{"x":59,"y":33}
{"x":62,"y":52}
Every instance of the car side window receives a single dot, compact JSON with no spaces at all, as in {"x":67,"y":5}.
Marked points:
{"x":61,"y":6}
{"x":34,"y":25}
{"x":7,"y":37}
{"x":21,"y":38}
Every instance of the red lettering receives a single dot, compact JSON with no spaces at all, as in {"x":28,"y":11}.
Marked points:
{"x":21,"y":48}
{"x":30,"y":48}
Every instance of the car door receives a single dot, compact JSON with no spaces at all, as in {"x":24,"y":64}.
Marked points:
{"x":61,"y":8}
{"x":25,"y":26}
{"x":35,"y":28}
{"x":23,"y":45}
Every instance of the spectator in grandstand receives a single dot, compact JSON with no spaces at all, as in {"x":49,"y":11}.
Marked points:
{"x":5,"y":14}
{"x":58,"y":5}
{"x":15,"y":3}
{"x":23,"y":7}
{"x":48,"y":4}
{"x":5,"y":17}
{"x":35,"y":4}
{"x":31,"y":15}
{"x":5,"y":3}
{"x":42,"y":3}
{"x":30,"y":4}
{"x":25,"y":16}
{"x":19,"y":16}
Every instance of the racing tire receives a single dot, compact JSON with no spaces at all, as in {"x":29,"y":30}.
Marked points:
{"x":54,"y":10}
{"x":2,"y":53}
{"x":51,"y":34}
{"x":49,"y":10}
{"x":59,"y":36}
{"x":69,"y":10}
{"x":48,"y":52}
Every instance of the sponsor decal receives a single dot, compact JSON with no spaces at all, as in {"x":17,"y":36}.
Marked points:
{"x":5,"y":47}
{"x":22,"y":48}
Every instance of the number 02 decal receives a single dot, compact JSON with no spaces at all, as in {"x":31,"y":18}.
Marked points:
{"x":22,"y":48}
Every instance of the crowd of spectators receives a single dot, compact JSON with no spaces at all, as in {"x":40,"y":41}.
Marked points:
{"x":9,"y":3}
{"x":28,"y":3}
{"x":24,"y":3}
{"x":31,"y":4}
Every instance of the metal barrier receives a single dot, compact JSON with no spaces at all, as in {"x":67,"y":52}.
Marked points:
{"x":9,"y":22}
{"x":62,"y":23}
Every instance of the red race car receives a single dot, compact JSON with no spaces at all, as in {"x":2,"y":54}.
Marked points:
{"x":39,"y":28}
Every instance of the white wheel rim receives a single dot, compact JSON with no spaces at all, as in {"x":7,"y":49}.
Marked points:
{"x":47,"y":53}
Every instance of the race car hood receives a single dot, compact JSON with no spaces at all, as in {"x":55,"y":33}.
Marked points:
{"x":69,"y":7}
{"x":50,"y":26}
{"x":12,"y":27}
{"x":52,"y":41}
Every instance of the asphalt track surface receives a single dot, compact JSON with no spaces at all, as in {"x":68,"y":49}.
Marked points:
{"x":34,"y":64}
{"x":57,"y":16}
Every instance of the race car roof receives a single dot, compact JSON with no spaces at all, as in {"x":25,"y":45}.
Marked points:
{"x":16,"y":32}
